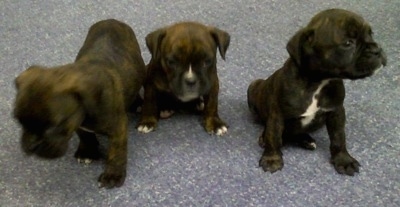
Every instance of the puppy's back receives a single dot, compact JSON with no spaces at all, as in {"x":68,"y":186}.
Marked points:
{"x":112,"y":45}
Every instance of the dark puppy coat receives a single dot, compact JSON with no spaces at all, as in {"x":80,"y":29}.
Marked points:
{"x":90,"y":95}
{"x":182,"y":71}
{"x":308,"y":91}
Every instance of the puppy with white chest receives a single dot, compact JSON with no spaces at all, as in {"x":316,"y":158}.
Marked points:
{"x":91,"y":95}
{"x":308,"y":91}
{"x":182,"y":73}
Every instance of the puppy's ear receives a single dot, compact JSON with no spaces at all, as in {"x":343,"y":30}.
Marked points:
{"x":298,"y":43}
{"x":153,"y":42}
{"x":222,"y":39}
{"x":26,"y":75}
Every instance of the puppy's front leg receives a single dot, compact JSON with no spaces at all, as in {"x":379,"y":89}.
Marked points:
{"x":271,"y":141}
{"x":115,"y":170}
{"x":212,"y":123}
{"x":88,"y":148}
{"x":343,"y":162}
{"x":149,"y":116}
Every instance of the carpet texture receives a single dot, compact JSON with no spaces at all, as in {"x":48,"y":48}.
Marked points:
{"x":179,"y":164}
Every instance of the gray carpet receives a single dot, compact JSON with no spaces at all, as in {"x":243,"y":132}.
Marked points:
{"x":179,"y":164}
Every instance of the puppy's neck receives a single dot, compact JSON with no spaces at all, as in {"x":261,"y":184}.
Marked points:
{"x":304,"y":73}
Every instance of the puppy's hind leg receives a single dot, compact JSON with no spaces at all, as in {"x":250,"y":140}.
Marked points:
{"x":167,"y":105}
{"x":88,"y":149}
{"x":253,"y":95}
{"x":306,"y":141}
{"x":303,"y":140}
{"x":137,"y":104}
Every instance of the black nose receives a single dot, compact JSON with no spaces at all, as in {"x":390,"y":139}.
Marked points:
{"x":373,"y":49}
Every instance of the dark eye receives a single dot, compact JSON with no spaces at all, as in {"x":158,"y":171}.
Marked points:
{"x":349,"y":43}
{"x":207,"y":63}
{"x":171,"y":63}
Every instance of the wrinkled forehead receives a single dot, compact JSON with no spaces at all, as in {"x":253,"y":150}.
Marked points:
{"x":335,"y":27}
{"x":188,"y":41}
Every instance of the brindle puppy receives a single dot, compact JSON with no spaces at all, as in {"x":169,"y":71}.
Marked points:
{"x":307,"y":93}
{"x":90,"y":95}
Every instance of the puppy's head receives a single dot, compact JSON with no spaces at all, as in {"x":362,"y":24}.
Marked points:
{"x":187,"y":54}
{"x":47,"y":110}
{"x":336,"y":44}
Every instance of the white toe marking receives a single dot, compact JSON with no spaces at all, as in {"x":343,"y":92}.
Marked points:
{"x":85,"y":161}
{"x":314,"y":145}
{"x":144,"y":129}
{"x":221,"y":131}
{"x":200,"y":106}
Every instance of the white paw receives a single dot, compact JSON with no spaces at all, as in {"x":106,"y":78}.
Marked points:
{"x":166,"y":114}
{"x":221,"y":131}
{"x":200,"y":106}
{"x":313,"y":145}
{"x":145,"y":129}
{"x":85,"y":161}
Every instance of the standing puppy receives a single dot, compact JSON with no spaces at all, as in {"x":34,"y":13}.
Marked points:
{"x":182,"y":71}
{"x":308,"y":91}
{"x":91,"y":95}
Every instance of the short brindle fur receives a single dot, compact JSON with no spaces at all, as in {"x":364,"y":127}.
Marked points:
{"x":308,"y":92}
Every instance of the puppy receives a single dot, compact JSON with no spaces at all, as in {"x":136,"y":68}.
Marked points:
{"x":182,"y":73}
{"x":308,"y":92}
{"x":90,"y":95}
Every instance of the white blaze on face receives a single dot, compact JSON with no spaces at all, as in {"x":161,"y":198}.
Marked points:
{"x":189,"y":94}
{"x":189,"y":74}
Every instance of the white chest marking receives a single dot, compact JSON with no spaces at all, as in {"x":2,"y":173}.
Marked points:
{"x":313,"y":108}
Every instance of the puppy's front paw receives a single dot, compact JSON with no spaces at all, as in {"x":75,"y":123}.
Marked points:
{"x":87,"y":155}
{"x":112,"y":179}
{"x":215,"y":125}
{"x":271,"y":163}
{"x":85,"y":161}
{"x":147,"y":125}
{"x":145,"y":129}
{"x":345,"y":164}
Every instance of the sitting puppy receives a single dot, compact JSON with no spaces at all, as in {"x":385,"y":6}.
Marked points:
{"x":308,"y":91}
{"x":182,"y":73}
{"x":91,"y":95}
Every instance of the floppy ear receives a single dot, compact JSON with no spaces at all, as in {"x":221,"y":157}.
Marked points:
{"x":297,"y":44}
{"x":153,"y":42}
{"x":222,"y":39}
{"x":27,"y":74}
